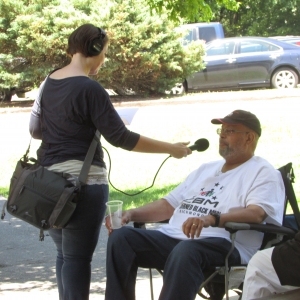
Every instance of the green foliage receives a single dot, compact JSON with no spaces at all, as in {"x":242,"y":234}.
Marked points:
{"x":261,"y":18}
{"x":145,"y":54}
{"x":34,"y":35}
{"x":192,"y":10}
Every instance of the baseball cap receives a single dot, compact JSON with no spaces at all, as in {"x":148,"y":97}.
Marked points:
{"x":243,"y":117}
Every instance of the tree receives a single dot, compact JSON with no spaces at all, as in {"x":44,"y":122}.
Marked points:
{"x":191,"y":10}
{"x":145,"y":54}
{"x":260,"y":18}
{"x":33,"y":35}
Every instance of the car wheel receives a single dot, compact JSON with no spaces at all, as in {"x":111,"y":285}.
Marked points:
{"x":124,"y":92}
{"x":179,"y":89}
{"x":284,"y":78}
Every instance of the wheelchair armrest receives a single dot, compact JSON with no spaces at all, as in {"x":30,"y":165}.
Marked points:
{"x":140,"y":225}
{"x":233,"y":227}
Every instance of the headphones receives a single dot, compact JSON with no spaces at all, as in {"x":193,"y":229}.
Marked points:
{"x":96,"y":45}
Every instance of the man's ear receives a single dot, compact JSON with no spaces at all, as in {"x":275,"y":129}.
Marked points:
{"x":251,"y":137}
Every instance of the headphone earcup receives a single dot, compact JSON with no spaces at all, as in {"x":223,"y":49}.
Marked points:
{"x":95,"y":47}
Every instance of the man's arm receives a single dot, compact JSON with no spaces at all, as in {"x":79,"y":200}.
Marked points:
{"x":252,"y":214}
{"x":155,"y":211}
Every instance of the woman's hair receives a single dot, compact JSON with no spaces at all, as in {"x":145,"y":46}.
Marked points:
{"x":83,"y":38}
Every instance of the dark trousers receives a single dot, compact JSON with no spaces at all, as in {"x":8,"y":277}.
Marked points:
{"x":76,"y":243}
{"x":182,"y":261}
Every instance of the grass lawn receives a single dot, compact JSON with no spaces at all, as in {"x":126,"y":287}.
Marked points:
{"x":132,"y":172}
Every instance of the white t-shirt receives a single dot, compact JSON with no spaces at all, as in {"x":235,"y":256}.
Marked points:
{"x":207,"y":189}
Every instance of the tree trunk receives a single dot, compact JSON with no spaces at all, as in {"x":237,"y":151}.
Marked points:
{"x":7,"y":95}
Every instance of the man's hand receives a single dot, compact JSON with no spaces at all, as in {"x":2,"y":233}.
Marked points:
{"x":126,"y":217}
{"x":193,"y":226}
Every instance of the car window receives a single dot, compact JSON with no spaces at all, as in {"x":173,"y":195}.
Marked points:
{"x":207,"y":34}
{"x":257,"y":46}
{"x":223,"y":48}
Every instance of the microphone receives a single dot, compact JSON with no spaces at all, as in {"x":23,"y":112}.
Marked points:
{"x":200,"y":145}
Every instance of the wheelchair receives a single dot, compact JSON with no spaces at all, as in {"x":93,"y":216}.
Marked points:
{"x":220,"y":279}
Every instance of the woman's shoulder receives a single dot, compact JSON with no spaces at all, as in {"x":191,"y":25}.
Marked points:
{"x":82,"y":83}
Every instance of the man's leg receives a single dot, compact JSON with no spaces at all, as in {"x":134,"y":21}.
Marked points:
{"x":129,"y":248}
{"x":183,"y":269}
{"x":261,"y":279}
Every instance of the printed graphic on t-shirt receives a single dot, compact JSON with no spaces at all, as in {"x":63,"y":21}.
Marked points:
{"x":206,"y":202}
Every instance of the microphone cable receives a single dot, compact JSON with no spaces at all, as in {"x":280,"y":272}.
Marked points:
{"x":139,"y":191}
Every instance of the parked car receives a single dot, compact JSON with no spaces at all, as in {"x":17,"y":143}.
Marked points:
{"x":202,"y":31}
{"x":291,"y":39}
{"x":247,"y":62}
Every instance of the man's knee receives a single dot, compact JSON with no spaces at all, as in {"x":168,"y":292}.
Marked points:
{"x":125,"y":234}
{"x":185,"y":253}
{"x":117,"y":236}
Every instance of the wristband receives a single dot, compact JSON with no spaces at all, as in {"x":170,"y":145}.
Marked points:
{"x":217,"y":218}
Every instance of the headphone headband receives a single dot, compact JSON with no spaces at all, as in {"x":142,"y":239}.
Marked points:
{"x":102,"y":33}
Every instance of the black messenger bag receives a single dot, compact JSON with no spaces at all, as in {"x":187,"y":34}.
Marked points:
{"x":43,"y":198}
{"x":40,"y":197}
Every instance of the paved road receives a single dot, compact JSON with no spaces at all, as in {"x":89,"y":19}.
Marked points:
{"x":27,"y":266}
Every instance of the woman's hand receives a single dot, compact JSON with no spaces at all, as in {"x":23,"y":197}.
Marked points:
{"x":179,"y":150}
{"x":147,"y":145}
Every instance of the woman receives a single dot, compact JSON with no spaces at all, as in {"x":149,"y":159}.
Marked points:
{"x":73,"y":108}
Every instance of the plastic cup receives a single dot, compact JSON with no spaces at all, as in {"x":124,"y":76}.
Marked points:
{"x":114,"y":209}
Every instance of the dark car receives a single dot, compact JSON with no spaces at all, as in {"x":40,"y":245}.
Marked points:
{"x":247,"y":62}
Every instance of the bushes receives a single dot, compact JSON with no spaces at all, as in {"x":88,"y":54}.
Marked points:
{"x":145,"y":54}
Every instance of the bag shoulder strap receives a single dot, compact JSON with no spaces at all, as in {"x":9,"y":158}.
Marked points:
{"x":88,"y":159}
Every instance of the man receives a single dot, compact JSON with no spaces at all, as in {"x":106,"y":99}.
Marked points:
{"x":274,"y":270}
{"x":239,"y":188}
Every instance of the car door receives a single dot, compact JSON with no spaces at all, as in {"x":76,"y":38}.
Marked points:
{"x":220,"y":70}
{"x":255,"y":61}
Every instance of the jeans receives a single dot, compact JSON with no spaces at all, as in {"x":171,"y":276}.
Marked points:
{"x":182,"y":261}
{"x":76,"y":243}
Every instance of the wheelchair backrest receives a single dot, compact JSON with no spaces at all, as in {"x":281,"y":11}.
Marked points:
{"x":290,"y":220}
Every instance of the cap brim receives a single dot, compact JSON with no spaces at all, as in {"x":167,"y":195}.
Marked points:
{"x":223,"y":121}
{"x":216,"y":121}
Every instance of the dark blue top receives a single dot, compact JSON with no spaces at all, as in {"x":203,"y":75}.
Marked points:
{"x":72,"y":109}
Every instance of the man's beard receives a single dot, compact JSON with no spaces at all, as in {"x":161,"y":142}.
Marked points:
{"x":227,"y":152}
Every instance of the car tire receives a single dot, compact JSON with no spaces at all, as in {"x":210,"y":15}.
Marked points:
{"x":284,"y":78}
{"x":124,"y":92}
{"x":179,"y":89}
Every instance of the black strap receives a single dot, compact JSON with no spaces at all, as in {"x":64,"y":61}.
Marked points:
{"x":288,"y":177}
{"x":88,"y":159}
